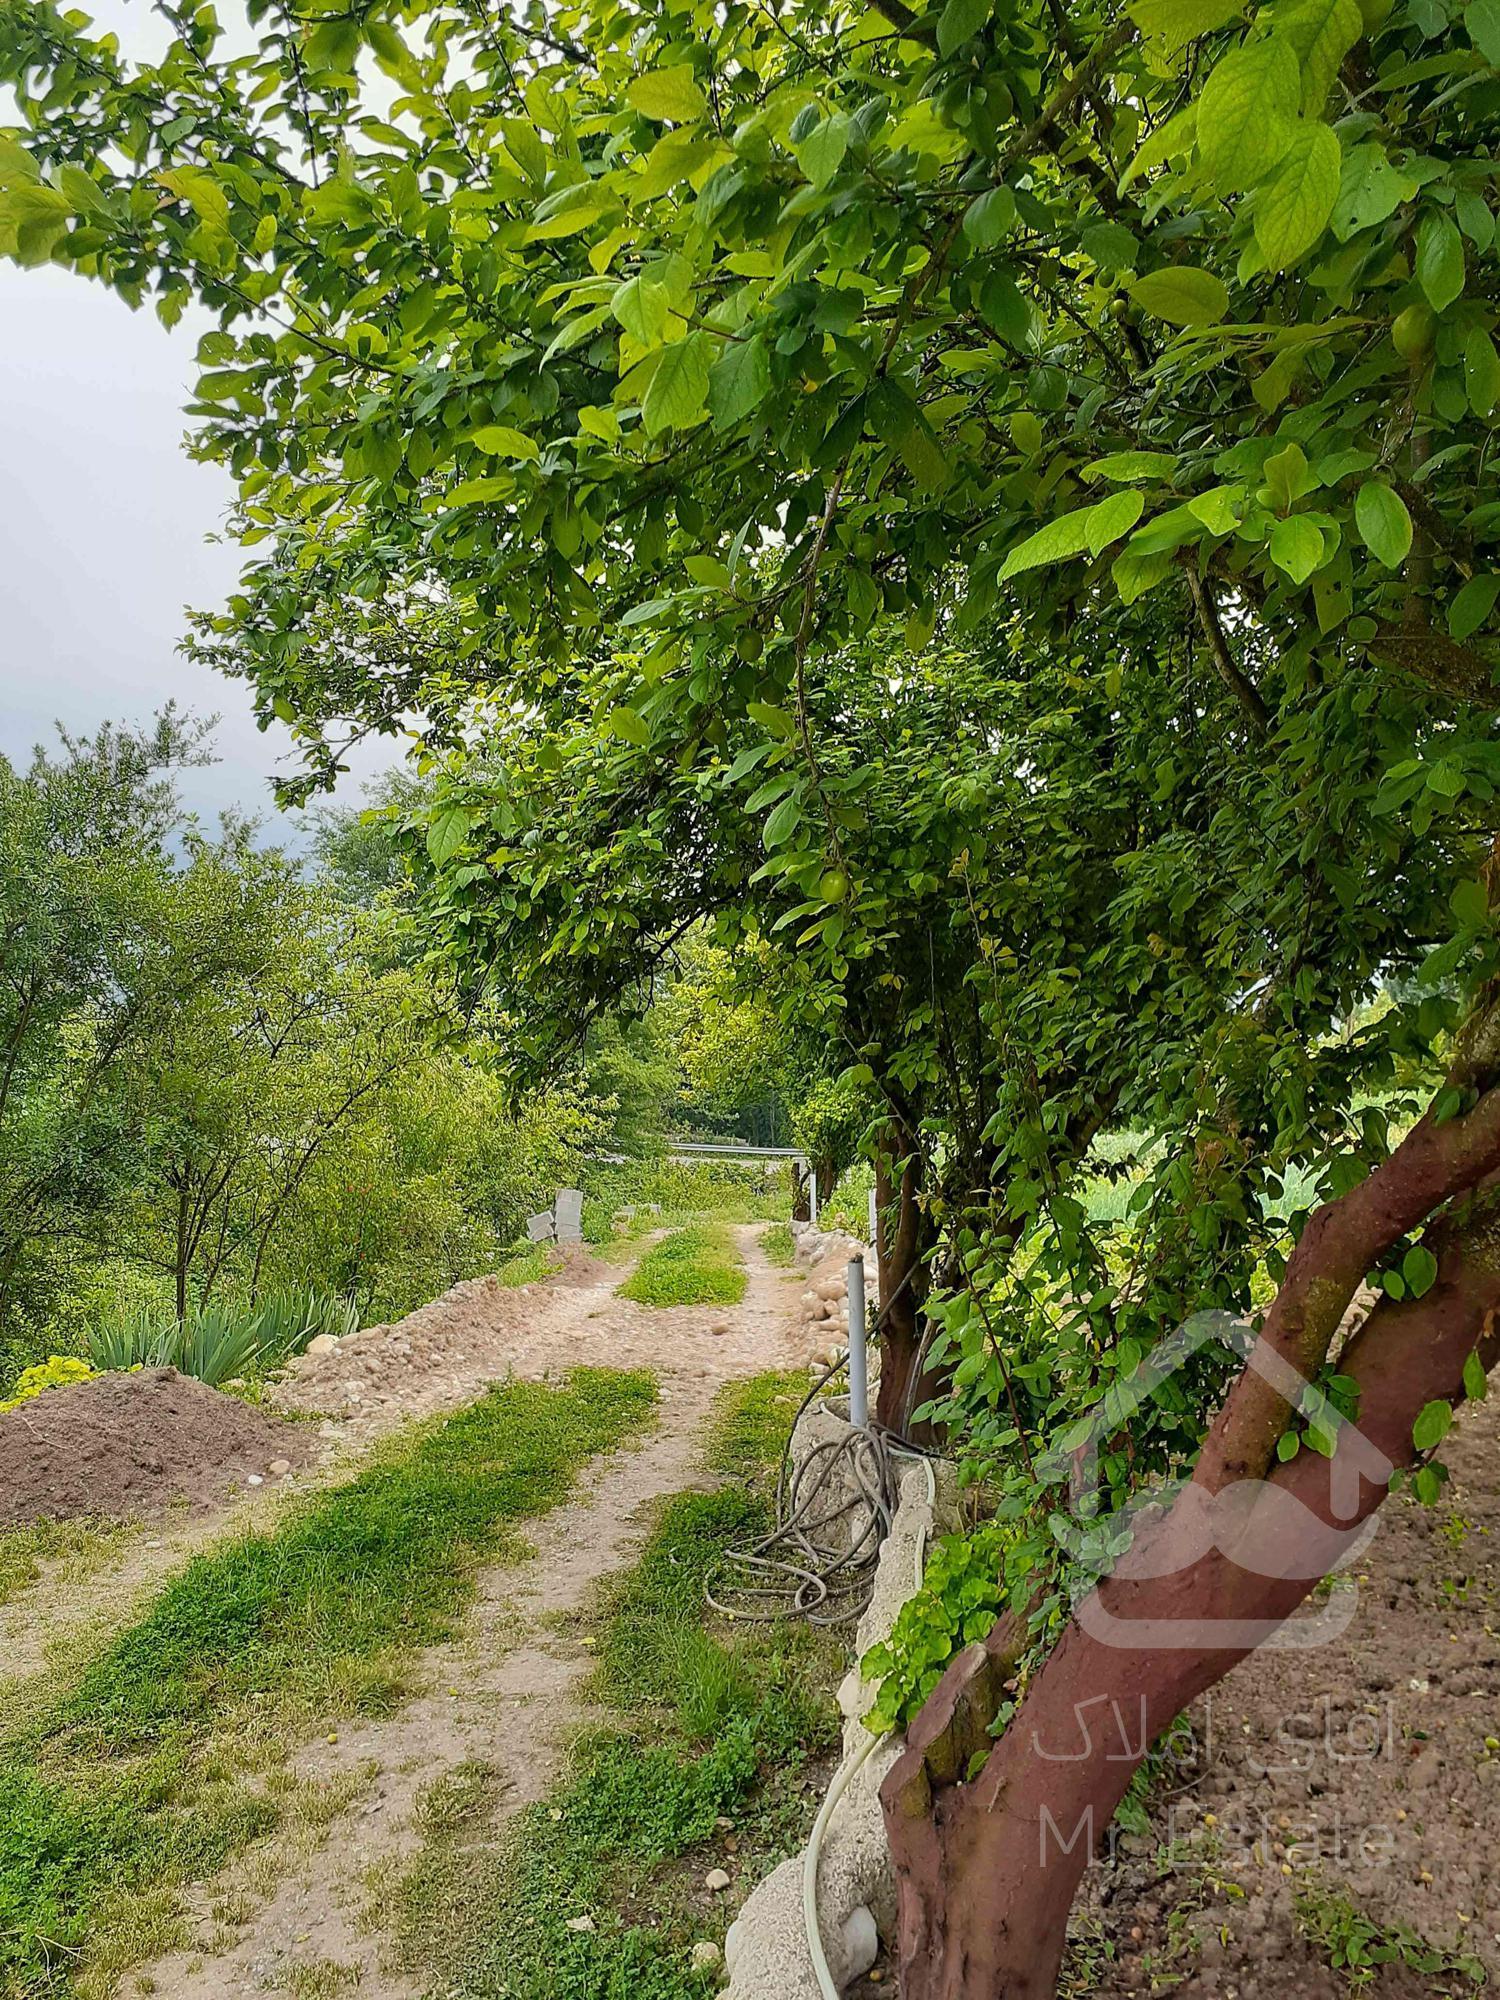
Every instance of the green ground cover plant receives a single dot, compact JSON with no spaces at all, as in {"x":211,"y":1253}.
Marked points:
{"x":133,"y":1779}
{"x":777,"y":1243}
{"x":1357,"y":1945}
{"x":694,"y":1266}
{"x":715,"y":1724}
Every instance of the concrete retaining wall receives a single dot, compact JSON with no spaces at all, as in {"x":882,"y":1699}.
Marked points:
{"x":766,"y":1949}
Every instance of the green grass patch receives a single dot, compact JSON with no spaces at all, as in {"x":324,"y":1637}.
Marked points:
{"x":134,"y":1779}
{"x":778,"y":1245}
{"x":751,"y":1423}
{"x":529,"y":1266}
{"x":697,"y":1266}
{"x":717,"y":1723}
{"x":75,"y":1549}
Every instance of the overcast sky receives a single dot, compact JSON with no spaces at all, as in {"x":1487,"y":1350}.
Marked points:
{"x":106,"y":525}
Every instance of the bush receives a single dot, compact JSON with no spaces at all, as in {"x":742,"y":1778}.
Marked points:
{"x":49,"y":1374}
{"x":739,"y":1190}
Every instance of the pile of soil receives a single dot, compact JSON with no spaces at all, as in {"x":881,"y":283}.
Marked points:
{"x":129,"y":1444}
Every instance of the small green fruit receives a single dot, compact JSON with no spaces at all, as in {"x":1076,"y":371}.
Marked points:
{"x":1412,"y":332}
{"x":833,"y":885}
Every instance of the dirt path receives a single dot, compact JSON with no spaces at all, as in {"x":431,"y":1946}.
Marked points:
{"x":441,"y":1356}
{"x":506,"y":1694}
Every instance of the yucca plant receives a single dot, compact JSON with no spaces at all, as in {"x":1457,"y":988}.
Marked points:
{"x":137,"y":1340}
{"x":217,"y":1343}
{"x":289,"y":1320}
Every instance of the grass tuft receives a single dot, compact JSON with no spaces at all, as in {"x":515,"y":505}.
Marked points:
{"x":691,"y":1267}
{"x":529,"y":1266}
{"x":778,"y":1246}
{"x":76,"y":1549}
{"x":751,"y":1423}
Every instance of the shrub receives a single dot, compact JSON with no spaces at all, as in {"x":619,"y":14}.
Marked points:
{"x":49,"y":1374}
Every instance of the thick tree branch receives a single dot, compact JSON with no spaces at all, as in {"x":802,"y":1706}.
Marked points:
{"x":1240,"y":686}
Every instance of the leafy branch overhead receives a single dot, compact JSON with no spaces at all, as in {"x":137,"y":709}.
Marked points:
{"x":569,"y":322}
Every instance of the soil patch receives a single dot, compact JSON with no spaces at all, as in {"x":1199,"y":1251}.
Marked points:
{"x":123,"y":1445}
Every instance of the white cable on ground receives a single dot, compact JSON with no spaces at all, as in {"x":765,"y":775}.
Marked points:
{"x":841,"y":1780}
{"x":843,"y":1777}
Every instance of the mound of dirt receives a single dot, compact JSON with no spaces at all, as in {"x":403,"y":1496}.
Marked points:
{"x":129,"y":1444}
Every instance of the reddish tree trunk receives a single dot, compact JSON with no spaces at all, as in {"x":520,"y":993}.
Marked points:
{"x":901,"y":1257}
{"x":987,"y":1868}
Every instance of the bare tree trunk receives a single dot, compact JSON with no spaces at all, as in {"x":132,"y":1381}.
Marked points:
{"x":184,"y":1252}
{"x":901,"y":1255}
{"x":987,"y":1867}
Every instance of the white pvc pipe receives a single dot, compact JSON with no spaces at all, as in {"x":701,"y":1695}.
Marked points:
{"x":836,"y":1790}
{"x":859,"y":1379}
{"x":812,"y":1197}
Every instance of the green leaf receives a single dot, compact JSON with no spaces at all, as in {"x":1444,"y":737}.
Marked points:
{"x":667,"y":93}
{"x":1247,"y":113}
{"x":1175,"y":23}
{"x":1432,"y":1426}
{"x":990,"y":217}
{"x":677,"y":394}
{"x":1419,"y":1268}
{"x":1123,"y":468}
{"x":1322,"y":32}
{"x":1383,"y":522}
{"x":1297,"y":547}
{"x":629,"y":726}
{"x":1219,"y":509}
{"x":1469,"y":903}
{"x":447,"y":831}
{"x":1292,"y":209}
{"x":1476,"y":1381}
{"x":1174,"y":136}
{"x":1059,"y":541}
{"x":821,"y":153}
{"x":1287,"y":1446}
{"x":1472,"y":606}
{"x":783,"y":822}
{"x":1370,"y":189}
{"x":1440,"y":260}
{"x":959,"y":22}
{"x":500,"y":441}
{"x":1427,"y":1485}
{"x":1288,"y":476}
{"x":643,"y":307}
{"x":1482,"y":19}
{"x":1481,"y":372}
{"x":738,"y":382}
{"x":1113,"y":517}
{"x":899,"y":422}
{"x":1182,"y":294}
{"x":202,"y":193}
{"x":1004,"y":305}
